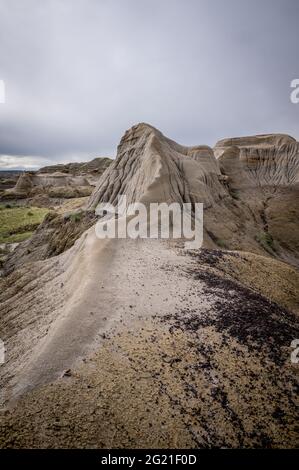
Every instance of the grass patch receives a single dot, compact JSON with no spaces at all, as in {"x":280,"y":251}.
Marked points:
{"x":221,"y":243}
{"x":234,"y":194}
{"x":18,"y":223}
{"x":16,"y":237}
{"x":76,"y":216}
{"x":9,"y":205}
{"x":265,"y":239}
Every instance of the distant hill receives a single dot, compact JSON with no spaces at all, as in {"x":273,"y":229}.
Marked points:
{"x":56,"y":181}
{"x":96,"y":167}
{"x":8,"y":178}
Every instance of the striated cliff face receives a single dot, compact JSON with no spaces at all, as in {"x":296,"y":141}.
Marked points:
{"x":263,"y":174}
{"x":250,"y":191}
{"x":266,"y":160}
{"x":152,"y":168}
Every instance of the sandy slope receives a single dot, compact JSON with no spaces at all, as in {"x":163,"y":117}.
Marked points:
{"x":161,"y":351}
{"x":101,"y":274}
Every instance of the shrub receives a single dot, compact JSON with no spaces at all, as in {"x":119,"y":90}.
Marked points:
{"x":266,"y":240}
{"x":221,"y":243}
{"x":76,"y":216}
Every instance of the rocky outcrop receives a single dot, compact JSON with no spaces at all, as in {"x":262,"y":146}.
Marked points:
{"x":56,"y":185}
{"x":246,"y":190}
{"x":245,"y":209}
{"x":266,"y":160}
{"x":263,"y":174}
{"x":56,"y":234}
{"x":92,"y":170}
{"x":59,"y":181}
{"x":8,"y":179}
{"x":140,"y":343}
{"x":152,"y":168}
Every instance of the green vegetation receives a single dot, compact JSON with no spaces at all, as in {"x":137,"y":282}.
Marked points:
{"x":265,"y":239}
{"x":76,"y":216}
{"x":18,"y":223}
{"x":234,"y":194}
{"x":221,"y":243}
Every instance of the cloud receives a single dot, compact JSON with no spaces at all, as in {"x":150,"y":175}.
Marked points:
{"x":79,"y":73}
{"x":22,"y":163}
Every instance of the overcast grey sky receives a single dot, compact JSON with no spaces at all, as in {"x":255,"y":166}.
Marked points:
{"x":78,"y":73}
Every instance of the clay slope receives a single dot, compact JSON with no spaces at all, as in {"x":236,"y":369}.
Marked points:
{"x":138,"y":343}
{"x":135,"y":344}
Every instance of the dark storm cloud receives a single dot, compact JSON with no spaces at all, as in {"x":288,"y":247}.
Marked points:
{"x":80,"y":72}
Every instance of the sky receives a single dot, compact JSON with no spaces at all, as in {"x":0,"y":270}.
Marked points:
{"x":78,"y":73}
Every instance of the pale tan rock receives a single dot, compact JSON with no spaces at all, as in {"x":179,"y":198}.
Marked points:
{"x":152,"y":168}
{"x":266,"y":160}
{"x":166,"y":348}
{"x":59,"y":181}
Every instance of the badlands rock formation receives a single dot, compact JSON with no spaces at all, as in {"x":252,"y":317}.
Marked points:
{"x":151,"y":168}
{"x":265,"y":160}
{"x":250,"y":193}
{"x":140,"y":343}
{"x":57,"y":184}
{"x":59,"y":181}
{"x":92,"y":169}
{"x":8,"y":179}
{"x":263,"y":175}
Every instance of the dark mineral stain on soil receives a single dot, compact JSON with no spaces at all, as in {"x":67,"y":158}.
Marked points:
{"x":244,"y":314}
{"x":257,"y":331}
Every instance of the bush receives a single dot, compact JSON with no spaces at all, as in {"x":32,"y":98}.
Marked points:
{"x":76,"y":216}
{"x":221,"y":243}
{"x":266,"y":240}
{"x":234,"y":194}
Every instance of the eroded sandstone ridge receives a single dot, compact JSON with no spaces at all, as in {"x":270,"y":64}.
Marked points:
{"x":265,"y":160}
{"x":59,"y":181}
{"x":140,"y":343}
{"x":250,"y":191}
{"x":150,"y":167}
